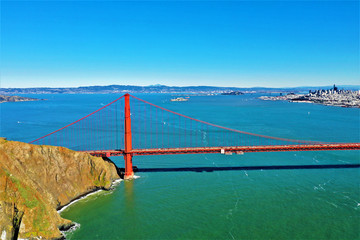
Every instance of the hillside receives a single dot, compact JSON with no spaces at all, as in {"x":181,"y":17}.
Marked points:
{"x":4,"y":98}
{"x":35,"y":181}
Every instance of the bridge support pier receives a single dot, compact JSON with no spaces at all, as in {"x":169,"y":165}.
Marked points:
{"x":129,"y":172}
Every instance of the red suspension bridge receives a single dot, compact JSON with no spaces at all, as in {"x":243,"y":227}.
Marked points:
{"x":114,"y":130}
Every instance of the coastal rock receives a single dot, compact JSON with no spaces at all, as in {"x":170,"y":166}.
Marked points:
{"x":10,"y":219}
{"x":35,"y":181}
{"x":5,"y":98}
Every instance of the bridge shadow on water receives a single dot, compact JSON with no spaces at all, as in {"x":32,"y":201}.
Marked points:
{"x":247,"y":168}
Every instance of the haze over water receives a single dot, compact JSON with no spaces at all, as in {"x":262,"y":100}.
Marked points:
{"x":231,"y":204}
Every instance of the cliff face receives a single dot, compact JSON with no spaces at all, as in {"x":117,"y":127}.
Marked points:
{"x":37,"y":180}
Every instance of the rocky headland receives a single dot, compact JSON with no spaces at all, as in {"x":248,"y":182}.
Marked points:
{"x":37,"y":180}
{"x":5,"y":98}
{"x":331,"y":97}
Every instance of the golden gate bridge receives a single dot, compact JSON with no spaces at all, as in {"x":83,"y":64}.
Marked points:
{"x":148,"y":129}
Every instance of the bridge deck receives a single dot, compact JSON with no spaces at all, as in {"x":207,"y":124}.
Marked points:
{"x":231,"y":149}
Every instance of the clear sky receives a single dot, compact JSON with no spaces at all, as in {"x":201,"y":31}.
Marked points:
{"x":179,"y":43}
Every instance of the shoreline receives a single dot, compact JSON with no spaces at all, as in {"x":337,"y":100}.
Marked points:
{"x":296,"y":98}
{"x":85,"y":195}
{"x":74,"y":225}
{"x":322,"y":103}
{"x":22,"y":101}
{"x":7,"y":98}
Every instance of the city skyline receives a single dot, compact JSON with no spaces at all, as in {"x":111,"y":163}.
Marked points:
{"x":230,"y":44}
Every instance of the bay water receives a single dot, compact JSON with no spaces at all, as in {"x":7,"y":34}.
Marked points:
{"x":206,"y":203}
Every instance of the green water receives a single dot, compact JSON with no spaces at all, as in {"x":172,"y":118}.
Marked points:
{"x":234,"y":204}
{"x":249,"y":204}
{"x":268,"y":204}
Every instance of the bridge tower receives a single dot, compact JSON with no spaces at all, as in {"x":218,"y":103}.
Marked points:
{"x":129,"y":173}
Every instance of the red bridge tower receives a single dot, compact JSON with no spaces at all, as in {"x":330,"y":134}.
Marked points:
{"x":129,"y":173}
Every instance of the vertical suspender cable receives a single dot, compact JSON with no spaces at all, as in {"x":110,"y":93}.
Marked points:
{"x":162,"y":128}
{"x":150,"y":128}
{"x":156,"y":122}
{"x":145,"y":127}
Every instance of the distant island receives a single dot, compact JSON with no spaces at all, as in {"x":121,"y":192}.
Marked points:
{"x":232,"y":93}
{"x":121,"y":89}
{"x":330,"y":97}
{"x":4,"y":98}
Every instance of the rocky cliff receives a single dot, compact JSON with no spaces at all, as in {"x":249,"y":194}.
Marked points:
{"x":35,"y":181}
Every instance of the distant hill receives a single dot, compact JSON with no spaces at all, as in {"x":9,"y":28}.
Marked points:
{"x":159,"y":89}
{"x":4,"y":98}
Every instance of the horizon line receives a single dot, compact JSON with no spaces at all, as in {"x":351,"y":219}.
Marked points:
{"x":161,"y":85}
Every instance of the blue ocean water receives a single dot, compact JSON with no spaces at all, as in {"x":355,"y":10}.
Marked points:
{"x":233,"y":204}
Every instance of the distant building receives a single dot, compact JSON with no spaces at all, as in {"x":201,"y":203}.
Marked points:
{"x":335,"y":88}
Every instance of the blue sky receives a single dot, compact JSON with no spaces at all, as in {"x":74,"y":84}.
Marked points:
{"x":179,"y":43}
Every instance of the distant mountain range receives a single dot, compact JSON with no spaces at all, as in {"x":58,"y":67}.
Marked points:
{"x":160,"y":89}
